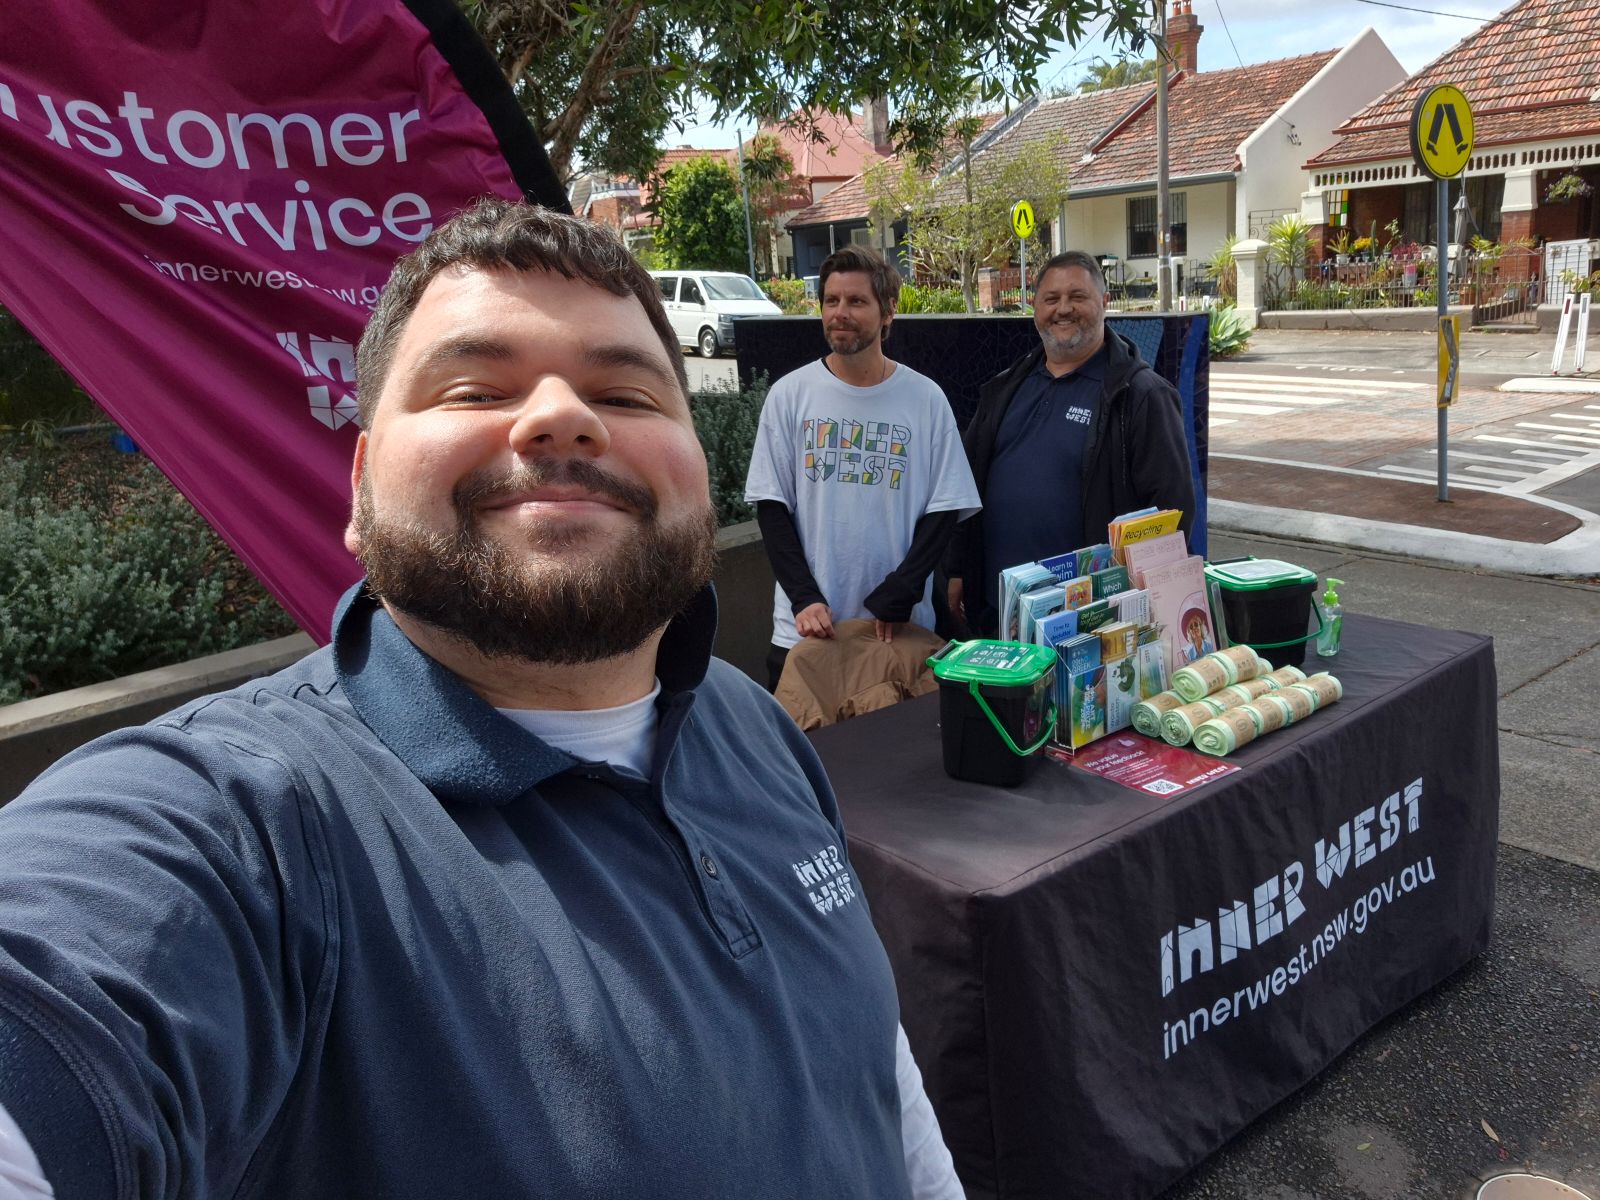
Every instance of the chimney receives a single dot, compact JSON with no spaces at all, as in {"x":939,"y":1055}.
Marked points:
{"x":1183,"y":33}
{"x":875,"y":125}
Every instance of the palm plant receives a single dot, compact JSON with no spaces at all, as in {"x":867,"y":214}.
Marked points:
{"x":1289,"y":245}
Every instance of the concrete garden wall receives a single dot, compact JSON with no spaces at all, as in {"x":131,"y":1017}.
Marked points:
{"x":35,"y":733}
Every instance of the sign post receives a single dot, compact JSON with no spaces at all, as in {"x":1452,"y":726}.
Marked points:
{"x":1022,"y":224}
{"x":1441,"y":144}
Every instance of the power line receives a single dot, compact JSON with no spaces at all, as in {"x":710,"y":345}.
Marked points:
{"x":1229,"y":32}
{"x":1434,"y":12}
{"x":1081,"y":47}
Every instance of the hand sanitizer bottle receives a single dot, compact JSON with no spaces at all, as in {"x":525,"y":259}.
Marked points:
{"x":1332,"y":619}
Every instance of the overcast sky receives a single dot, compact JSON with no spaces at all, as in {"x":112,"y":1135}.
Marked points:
{"x":1262,"y":30}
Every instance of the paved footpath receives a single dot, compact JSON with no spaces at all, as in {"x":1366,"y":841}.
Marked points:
{"x":1499,"y":1067}
{"x":1333,"y":437}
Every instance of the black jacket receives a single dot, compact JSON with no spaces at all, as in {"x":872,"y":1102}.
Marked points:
{"x":1136,"y":457}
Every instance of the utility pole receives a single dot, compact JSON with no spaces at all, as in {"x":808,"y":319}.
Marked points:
{"x":744,"y":190}
{"x":1163,"y":200}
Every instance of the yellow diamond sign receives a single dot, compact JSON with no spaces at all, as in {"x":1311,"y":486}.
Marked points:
{"x":1441,"y":132}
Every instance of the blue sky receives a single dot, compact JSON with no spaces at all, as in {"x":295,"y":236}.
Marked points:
{"x":1261,"y":30}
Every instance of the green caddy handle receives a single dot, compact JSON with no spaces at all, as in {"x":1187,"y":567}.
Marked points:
{"x":1049,"y":724}
{"x":1299,"y":641}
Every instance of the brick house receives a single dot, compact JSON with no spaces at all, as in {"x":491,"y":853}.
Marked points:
{"x":1533,"y":79}
{"x":1237,"y":142}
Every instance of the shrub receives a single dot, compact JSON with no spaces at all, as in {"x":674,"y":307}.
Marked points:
{"x":100,"y":579}
{"x":914,"y":299}
{"x":34,"y":391}
{"x":1230,"y":333}
{"x":789,"y":295}
{"x":725,"y":418}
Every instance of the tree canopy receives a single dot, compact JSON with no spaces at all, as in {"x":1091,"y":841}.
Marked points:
{"x":702,"y":217}
{"x":604,"y":82}
{"x":1105,"y":74}
{"x":958,"y":217}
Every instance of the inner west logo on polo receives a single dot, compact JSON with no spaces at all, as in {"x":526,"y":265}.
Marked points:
{"x":827,"y":882}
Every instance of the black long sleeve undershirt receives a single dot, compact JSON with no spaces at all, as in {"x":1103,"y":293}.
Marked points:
{"x":901,"y":591}
{"x":892,"y":600}
{"x":781,"y":538}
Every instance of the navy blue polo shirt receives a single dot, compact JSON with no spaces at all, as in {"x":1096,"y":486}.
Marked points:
{"x":349,"y":931}
{"x":1033,"y":505}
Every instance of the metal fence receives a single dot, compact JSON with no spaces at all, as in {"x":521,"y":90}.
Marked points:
{"x":1499,"y":283}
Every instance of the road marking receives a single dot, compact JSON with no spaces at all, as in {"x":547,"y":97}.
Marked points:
{"x":1278,"y":395}
{"x":1556,"y":456}
{"x":1455,"y":453}
{"x":1434,"y":474}
{"x":1222,"y":422}
{"x":1576,"y":417}
{"x":1299,"y":388}
{"x":1573,"y":437}
{"x":1496,"y":471}
{"x":1546,"y":446}
{"x":1563,"y":432}
{"x":1368,"y":386}
{"x":1248,"y":410}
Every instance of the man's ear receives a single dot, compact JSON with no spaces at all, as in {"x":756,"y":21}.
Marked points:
{"x":358,"y":467}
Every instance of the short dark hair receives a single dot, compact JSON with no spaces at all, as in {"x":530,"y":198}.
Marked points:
{"x":869,"y":262}
{"x":504,"y":235}
{"x":1073,"y":258}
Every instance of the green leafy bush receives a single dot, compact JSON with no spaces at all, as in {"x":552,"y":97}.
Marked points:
{"x":1230,"y":333}
{"x":914,"y":299}
{"x":34,"y":391}
{"x":109,"y":572}
{"x":789,"y":295}
{"x":725,"y":418}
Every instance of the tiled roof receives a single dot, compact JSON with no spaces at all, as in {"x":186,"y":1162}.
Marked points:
{"x":1209,"y":114}
{"x":845,"y":152}
{"x":1534,"y":75}
{"x":849,"y":202}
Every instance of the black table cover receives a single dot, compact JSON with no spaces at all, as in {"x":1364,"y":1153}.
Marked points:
{"x":1102,"y":985}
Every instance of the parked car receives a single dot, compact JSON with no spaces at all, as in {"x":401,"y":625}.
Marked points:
{"x":703,"y":306}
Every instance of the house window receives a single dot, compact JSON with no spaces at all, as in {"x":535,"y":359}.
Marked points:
{"x":1142,"y":225}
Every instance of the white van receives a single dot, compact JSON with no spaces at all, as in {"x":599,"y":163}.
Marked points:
{"x":702,"y":306}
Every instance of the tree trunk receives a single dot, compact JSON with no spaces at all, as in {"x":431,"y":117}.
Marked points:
{"x":561,"y":134}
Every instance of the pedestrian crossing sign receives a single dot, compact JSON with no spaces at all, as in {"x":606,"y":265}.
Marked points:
{"x":1441,"y":132}
{"x":1449,"y":359}
{"x":1022,"y":222}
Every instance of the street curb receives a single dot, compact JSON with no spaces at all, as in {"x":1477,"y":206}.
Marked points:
{"x":1552,"y":384}
{"x":1575,"y":555}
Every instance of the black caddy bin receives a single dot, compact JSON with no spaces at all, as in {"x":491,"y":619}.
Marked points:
{"x":996,"y":708}
{"x":1266,"y":605}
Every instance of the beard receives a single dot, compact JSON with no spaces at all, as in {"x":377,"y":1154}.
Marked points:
{"x":506,"y":603}
{"x":1064,"y":343}
{"x":845,"y":342}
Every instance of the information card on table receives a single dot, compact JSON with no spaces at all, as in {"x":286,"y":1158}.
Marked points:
{"x":1136,"y":761}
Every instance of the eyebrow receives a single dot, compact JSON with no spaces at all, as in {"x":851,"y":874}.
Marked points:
{"x":472,"y":347}
{"x":620,"y":354}
{"x":464,"y":348}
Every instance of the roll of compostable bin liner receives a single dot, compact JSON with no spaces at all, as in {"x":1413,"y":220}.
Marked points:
{"x":1236,"y":727}
{"x":1217,"y":670}
{"x":1147,"y":713}
{"x":1178,"y":725}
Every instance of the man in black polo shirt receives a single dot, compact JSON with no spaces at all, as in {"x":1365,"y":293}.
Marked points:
{"x":1070,"y":436}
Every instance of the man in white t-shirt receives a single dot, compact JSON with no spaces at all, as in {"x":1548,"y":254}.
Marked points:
{"x":858,"y":475}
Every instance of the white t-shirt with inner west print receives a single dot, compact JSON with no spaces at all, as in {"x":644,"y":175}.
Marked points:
{"x":857,"y":466}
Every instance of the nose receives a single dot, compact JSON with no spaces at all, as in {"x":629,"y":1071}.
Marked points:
{"x":556,"y":420}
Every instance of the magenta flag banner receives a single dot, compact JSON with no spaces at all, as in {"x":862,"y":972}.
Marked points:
{"x":199,"y":204}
